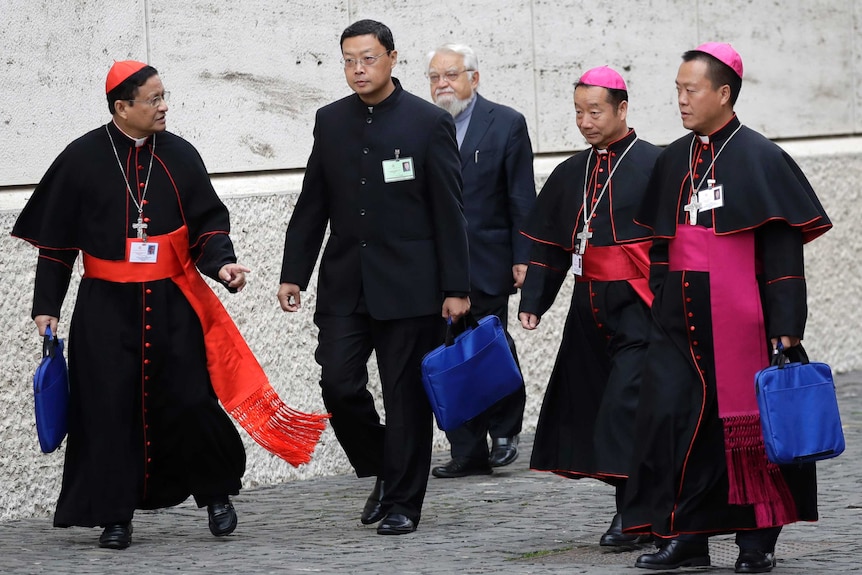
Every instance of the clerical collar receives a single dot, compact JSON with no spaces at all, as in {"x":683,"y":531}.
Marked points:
{"x":721,"y":133}
{"x":138,"y":141}
{"x":618,"y":145}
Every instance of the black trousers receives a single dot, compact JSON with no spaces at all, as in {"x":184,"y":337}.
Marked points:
{"x":399,"y":452}
{"x":504,"y":418}
{"x":749,"y":540}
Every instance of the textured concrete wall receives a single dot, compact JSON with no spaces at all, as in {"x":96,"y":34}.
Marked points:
{"x":245,"y":81}
{"x":246,"y":77}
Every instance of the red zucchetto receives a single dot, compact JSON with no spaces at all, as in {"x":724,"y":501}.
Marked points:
{"x":120,"y":71}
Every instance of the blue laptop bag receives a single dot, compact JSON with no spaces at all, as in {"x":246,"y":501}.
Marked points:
{"x":798,"y":410}
{"x":51,"y":394}
{"x":470,"y":372}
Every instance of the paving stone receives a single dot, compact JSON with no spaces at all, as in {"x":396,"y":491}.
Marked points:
{"x":514,"y":521}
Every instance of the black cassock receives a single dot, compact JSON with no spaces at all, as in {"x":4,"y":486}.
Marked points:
{"x":586,"y":423}
{"x":145,"y":428}
{"x":679,"y":481}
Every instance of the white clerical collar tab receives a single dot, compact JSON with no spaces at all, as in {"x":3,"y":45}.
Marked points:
{"x":601,"y":151}
{"x":138,"y":141}
{"x":704,"y":139}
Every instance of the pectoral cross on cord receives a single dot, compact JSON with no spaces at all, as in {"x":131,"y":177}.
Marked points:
{"x":585,"y":234}
{"x":692,"y":209}
{"x":141,"y":227}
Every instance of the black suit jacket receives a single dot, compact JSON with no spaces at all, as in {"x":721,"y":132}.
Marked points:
{"x":499,"y":191}
{"x":402,"y":245}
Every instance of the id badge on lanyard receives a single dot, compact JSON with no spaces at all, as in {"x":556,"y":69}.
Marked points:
{"x":577,"y":264}
{"x":141,"y":252}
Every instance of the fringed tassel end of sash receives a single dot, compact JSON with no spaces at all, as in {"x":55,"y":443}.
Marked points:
{"x":782,"y":509}
{"x":752,"y":479}
{"x":746,"y":459}
{"x":281,"y":430}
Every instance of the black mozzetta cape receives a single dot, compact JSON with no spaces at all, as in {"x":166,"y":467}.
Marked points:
{"x":558,"y":213}
{"x":747,"y":166}
{"x":82,"y":202}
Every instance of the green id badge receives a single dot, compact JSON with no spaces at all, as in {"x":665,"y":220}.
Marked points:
{"x":398,"y":170}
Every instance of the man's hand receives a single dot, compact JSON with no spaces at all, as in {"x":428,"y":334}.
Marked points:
{"x":43,"y":321}
{"x":529,"y":320}
{"x":234,"y":275}
{"x":455,"y":307}
{"x":787,"y":341}
{"x":519,"y":272}
{"x":288,"y":297}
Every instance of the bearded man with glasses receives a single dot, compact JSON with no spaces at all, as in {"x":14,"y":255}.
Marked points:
{"x":499,"y":191}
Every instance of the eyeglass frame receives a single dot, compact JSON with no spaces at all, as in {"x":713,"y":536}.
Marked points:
{"x":155,"y":101}
{"x":364,"y":60}
{"x":446,"y":75}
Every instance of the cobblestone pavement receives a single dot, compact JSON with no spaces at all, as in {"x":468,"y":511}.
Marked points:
{"x":514,"y":521}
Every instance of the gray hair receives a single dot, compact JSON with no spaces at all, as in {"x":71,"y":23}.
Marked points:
{"x":471,"y":61}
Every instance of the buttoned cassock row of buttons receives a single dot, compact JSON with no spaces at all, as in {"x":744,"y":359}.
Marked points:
{"x":594,"y":305}
{"x":599,"y":186}
{"x":690,"y":315}
{"x":692,"y":329}
{"x":147,"y":345}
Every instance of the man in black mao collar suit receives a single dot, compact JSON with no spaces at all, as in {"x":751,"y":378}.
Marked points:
{"x":499,"y":190}
{"x":384,"y":173}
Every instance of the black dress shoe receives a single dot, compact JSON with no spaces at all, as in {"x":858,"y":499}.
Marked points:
{"x":753,"y":561}
{"x":675,"y":554}
{"x":504,"y":450}
{"x":116,"y":536}
{"x":614,"y":536}
{"x":396,"y":524}
{"x":222,"y":517}
{"x":462,"y":467}
{"x":373,"y":510}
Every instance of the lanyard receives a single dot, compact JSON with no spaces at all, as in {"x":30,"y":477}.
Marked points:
{"x":585,"y":233}
{"x":140,"y":226}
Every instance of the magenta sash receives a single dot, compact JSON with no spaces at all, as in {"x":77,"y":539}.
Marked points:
{"x":737,"y":315}
{"x":739,"y":348}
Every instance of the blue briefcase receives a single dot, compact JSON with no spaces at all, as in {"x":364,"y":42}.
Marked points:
{"x":470,"y":372}
{"x":798,"y":410}
{"x":51,"y":394}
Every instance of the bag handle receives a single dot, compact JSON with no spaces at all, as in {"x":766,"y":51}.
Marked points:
{"x":469,"y":323}
{"x":780,"y":355}
{"x":49,"y":343}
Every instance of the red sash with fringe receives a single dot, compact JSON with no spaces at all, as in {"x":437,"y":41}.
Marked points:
{"x":629,"y":262}
{"x":237,"y":378}
{"x":739,"y":348}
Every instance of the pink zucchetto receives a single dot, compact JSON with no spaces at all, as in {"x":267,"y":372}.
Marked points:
{"x":724,"y":53}
{"x":604,"y":77}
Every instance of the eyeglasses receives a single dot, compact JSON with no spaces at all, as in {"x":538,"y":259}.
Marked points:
{"x":155,"y":101}
{"x":449,"y":76}
{"x":364,"y":60}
